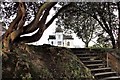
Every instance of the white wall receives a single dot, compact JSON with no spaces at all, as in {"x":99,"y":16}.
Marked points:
{"x":59,"y":37}
{"x":50,"y":42}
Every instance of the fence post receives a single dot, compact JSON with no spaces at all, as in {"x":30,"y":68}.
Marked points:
{"x":107,"y":60}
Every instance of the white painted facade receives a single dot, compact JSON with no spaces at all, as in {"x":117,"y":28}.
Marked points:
{"x":52,"y":42}
{"x":68,"y":43}
{"x":59,"y":39}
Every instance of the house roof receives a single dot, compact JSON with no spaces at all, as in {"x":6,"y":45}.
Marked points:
{"x":58,"y":29}
{"x":67,"y":37}
{"x":51,"y":37}
{"x":64,"y":37}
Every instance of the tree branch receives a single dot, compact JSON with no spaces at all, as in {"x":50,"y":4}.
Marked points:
{"x":38,"y":35}
{"x":95,"y":17}
{"x":17,"y":33}
{"x":28,"y":39}
{"x":46,"y":13}
{"x":14,"y":22}
{"x":40,"y":25}
{"x":55,"y":16}
{"x":35,"y":23}
{"x":23,"y":11}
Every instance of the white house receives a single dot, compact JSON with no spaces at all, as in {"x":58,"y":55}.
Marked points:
{"x":59,"y":39}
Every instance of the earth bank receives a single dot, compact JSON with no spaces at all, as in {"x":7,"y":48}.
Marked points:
{"x":29,"y":62}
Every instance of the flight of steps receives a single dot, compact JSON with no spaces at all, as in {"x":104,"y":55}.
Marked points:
{"x":98,"y":67}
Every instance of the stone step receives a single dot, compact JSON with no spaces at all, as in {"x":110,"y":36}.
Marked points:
{"x":92,"y":61}
{"x":100,"y":70}
{"x":88,"y":58}
{"x":96,"y":65}
{"x":86,"y":55}
{"x":111,"y":78}
{"x":78,"y":52}
{"x":92,"y":66}
{"x":104,"y":75}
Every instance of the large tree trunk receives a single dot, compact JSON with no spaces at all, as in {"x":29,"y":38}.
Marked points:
{"x":113,"y":41}
{"x":118,"y":39}
{"x":118,"y":4}
{"x":17,"y":23}
{"x":86,"y":45}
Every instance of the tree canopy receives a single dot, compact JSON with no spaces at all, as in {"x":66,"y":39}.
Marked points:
{"x":103,"y":13}
{"x":32,"y":16}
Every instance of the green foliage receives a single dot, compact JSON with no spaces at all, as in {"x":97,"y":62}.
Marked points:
{"x":102,"y":42}
{"x":82,"y":24}
{"x":86,"y":18}
{"x":9,"y":10}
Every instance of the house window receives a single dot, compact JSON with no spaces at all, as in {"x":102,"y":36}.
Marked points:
{"x":52,"y":42}
{"x":59,"y":42}
{"x":68,"y":43}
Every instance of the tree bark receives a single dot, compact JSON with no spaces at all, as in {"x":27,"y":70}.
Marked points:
{"x":13,"y":34}
{"x":86,"y":45}
{"x":13,"y":23}
{"x":113,"y":40}
{"x":118,"y":42}
{"x":12,"y":27}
